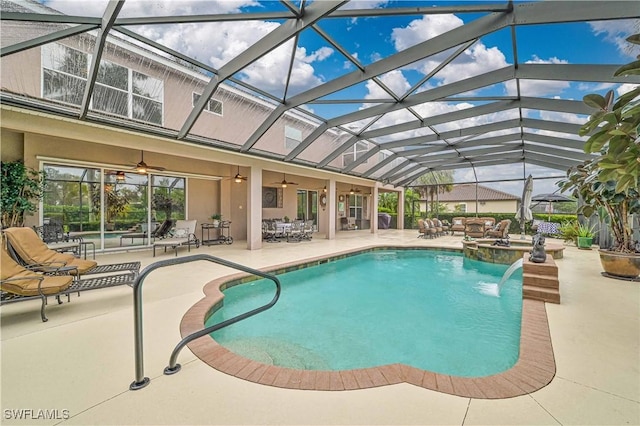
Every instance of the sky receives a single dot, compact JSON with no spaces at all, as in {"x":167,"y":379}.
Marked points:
{"x":370,"y":39}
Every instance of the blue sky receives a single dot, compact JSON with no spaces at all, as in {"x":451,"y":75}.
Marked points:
{"x":372,"y":38}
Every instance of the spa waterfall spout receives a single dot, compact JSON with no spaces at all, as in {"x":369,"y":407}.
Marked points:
{"x":515,"y":265}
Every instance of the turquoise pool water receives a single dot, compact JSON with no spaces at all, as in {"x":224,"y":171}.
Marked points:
{"x":423,"y":308}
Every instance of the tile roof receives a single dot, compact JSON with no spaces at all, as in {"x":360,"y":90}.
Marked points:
{"x":466,"y":192}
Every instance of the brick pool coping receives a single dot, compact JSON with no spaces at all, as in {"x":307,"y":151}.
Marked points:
{"x":534,"y":369}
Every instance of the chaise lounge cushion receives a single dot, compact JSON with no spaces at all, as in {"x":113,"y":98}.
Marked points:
{"x":32,"y":250}
{"x":25,"y":282}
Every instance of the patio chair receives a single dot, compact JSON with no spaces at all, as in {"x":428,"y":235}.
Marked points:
{"x":500,"y":231}
{"x":444,"y":225}
{"x":474,"y":228}
{"x":30,"y":250}
{"x":346,"y":225}
{"x":144,"y":234}
{"x":435,"y":224}
{"x":16,"y":280}
{"x":489,"y":223}
{"x":57,"y":239}
{"x":458,"y":224}
{"x":183,"y":234}
{"x":294,"y":232}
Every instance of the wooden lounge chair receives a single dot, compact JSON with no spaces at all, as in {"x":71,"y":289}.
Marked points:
{"x":183,"y":234}
{"x":31,"y":250}
{"x":17,"y":280}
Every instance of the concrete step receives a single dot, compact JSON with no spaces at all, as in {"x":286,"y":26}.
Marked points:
{"x":542,"y":294}
{"x":549,"y":267}
{"x":547,"y":281}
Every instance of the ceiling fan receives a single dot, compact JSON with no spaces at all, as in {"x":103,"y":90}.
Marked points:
{"x":120,"y":176}
{"x":144,"y":168}
{"x":284,"y":182}
{"x":238,"y":177}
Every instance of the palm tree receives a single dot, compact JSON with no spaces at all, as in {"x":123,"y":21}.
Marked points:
{"x":435,"y":182}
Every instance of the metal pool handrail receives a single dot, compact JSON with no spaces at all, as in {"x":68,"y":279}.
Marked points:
{"x":141,"y":381}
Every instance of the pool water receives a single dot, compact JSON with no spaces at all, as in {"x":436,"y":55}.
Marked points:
{"x":422,"y":308}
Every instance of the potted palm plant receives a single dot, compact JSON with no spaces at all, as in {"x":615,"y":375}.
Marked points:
{"x":611,"y":181}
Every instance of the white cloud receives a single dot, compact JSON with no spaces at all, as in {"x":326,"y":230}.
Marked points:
{"x":394,"y":80}
{"x":625,"y":88}
{"x":423,"y":29}
{"x":538,"y":88}
{"x":616,"y":32}
{"x":476,"y":60}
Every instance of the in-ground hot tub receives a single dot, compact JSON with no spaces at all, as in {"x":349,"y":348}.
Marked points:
{"x":484,"y":250}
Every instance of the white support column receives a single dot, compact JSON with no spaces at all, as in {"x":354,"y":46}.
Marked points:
{"x":332,"y":210}
{"x":400,"y":224}
{"x":254,"y":209}
{"x":374,"y":210}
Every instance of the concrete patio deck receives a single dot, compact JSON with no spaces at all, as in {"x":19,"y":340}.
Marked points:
{"x":78,"y":366}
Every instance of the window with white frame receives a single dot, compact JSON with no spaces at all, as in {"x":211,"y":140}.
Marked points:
{"x":355,"y":152}
{"x":460,"y":208}
{"x":118,"y":90}
{"x":213,"y":105}
{"x":292,"y":137}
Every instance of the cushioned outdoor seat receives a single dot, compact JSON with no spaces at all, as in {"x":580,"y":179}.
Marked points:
{"x":474,"y":228}
{"x":183,"y":234}
{"x":31,"y":250}
{"x":457,"y":224}
{"x":501,"y":230}
{"x":20,"y":281}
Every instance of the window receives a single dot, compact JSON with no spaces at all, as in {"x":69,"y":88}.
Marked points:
{"x":355,"y":206}
{"x":461,"y":208}
{"x":213,"y":105}
{"x":355,"y":152}
{"x":118,"y":90}
{"x":292,"y":137}
{"x":64,"y":75}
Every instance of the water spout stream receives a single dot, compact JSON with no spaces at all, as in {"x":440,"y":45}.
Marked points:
{"x":493,"y":289}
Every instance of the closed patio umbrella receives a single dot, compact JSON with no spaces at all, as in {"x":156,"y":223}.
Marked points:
{"x":524,"y":215}
{"x":551,"y":198}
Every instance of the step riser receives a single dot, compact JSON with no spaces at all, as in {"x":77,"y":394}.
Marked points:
{"x":541,"y":281}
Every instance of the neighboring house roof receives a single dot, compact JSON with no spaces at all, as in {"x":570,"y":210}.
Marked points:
{"x":466,"y":192}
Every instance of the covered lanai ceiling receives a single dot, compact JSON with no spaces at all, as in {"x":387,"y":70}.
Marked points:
{"x":408,"y":87}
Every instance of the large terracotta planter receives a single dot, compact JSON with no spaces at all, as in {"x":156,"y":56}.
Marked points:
{"x":623,"y":265}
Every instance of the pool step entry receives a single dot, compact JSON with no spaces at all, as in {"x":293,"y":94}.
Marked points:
{"x":540,"y":280}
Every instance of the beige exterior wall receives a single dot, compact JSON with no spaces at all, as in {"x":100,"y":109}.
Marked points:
{"x":11,"y":145}
{"x":503,"y":206}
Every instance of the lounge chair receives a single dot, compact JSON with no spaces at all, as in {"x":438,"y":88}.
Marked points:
{"x":182,"y":234}
{"x":501,"y":230}
{"x":16,"y":280}
{"x":458,"y":224}
{"x":31,"y":250}
{"x":28,"y":250}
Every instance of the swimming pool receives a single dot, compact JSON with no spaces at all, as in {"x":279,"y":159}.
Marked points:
{"x":419,"y":308}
